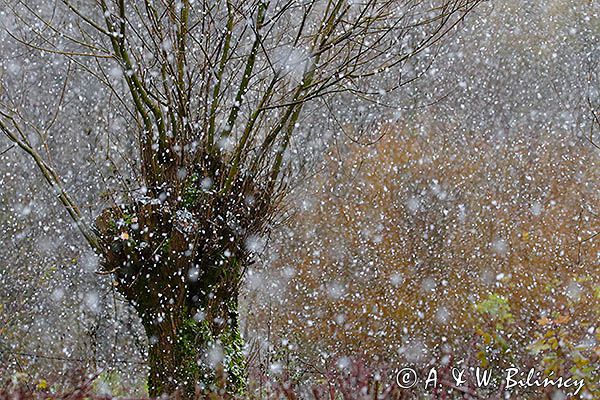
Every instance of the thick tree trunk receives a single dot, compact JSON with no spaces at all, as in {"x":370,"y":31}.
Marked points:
{"x":180,"y":266}
{"x":190,"y":355}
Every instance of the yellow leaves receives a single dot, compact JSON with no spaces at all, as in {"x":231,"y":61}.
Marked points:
{"x":42,"y":385}
{"x":487,"y":338}
{"x":544,"y":321}
{"x":553,"y":342}
{"x":525,"y":236}
{"x":549,"y":334}
{"x":559,"y":320}
{"x":482,"y":359}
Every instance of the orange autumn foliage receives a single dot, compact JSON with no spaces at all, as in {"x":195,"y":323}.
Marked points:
{"x":396,"y":243}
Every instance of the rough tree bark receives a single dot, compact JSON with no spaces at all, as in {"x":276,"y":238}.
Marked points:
{"x":179,"y":261}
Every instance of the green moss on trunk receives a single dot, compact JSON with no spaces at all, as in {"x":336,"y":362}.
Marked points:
{"x":149,"y":254}
{"x":187,"y":362}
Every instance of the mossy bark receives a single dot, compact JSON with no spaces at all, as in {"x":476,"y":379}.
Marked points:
{"x":180,"y":266}
{"x":190,"y":355}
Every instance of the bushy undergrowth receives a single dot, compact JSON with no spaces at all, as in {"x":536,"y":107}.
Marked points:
{"x":345,"y":379}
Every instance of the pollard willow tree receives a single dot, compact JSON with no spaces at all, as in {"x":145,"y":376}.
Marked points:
{"x":213,"y":92}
